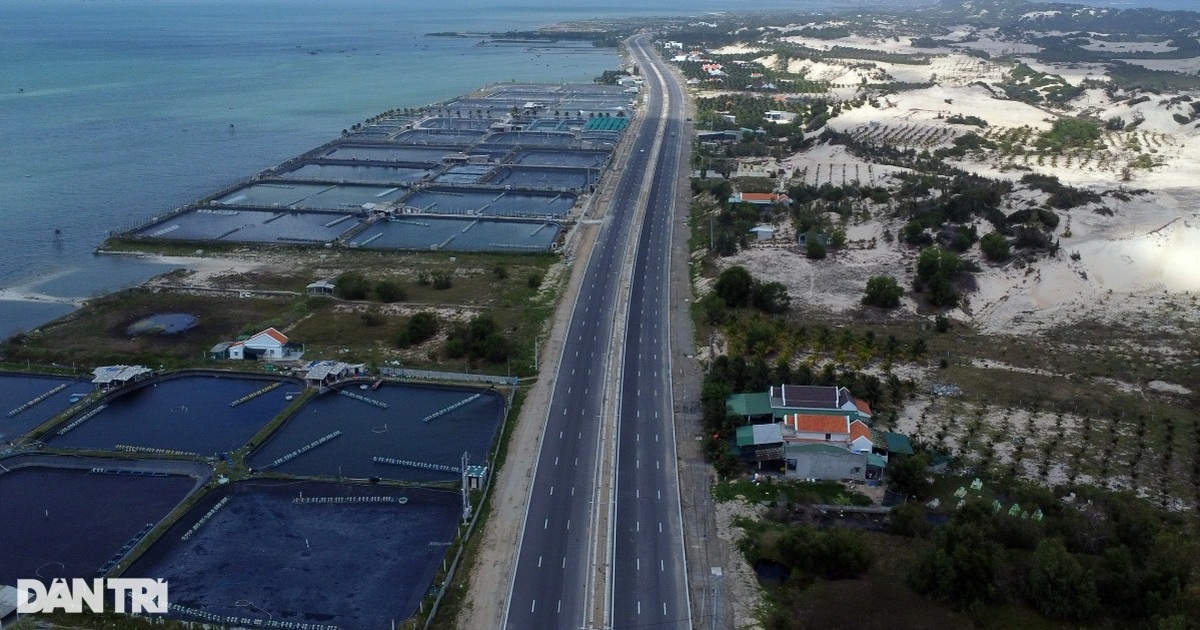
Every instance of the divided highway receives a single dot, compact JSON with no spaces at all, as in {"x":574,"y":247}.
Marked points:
{"x":602,"y":540}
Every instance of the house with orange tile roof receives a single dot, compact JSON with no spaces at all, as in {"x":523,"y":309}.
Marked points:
{"x":817,"y":428}
{"x":269,"y":345}
{"x":861,"y":438}
{"x":759,"y":199}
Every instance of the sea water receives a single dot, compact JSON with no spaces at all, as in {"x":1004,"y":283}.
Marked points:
{"x":114,"y":111}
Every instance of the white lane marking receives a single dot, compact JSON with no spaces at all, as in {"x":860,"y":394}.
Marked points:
{"x":639,"y":608}
{"x":660,"y":527}
{"x":664,"y":609}
{"x":551,"y":490}
{"x":662,"y":566}
{"x":539,"y":562}
{"x":639,"y":564}
{"x":568,"y":523}
{"x":555,"y":461}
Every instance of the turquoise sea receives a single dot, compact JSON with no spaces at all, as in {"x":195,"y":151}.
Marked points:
{"x":114,"y":110}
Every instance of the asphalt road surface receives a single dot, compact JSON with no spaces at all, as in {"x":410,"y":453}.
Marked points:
{"x":554,"y":583}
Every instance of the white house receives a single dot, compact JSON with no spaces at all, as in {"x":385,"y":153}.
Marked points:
{"x":779,"y":116}
{"x":860,"y":437}
{"x":269,"y":344}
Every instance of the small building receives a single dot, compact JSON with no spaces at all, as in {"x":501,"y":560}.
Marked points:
{"x":759,"y":199}
{"x":861,"y":437}
{"x":220,"y":352}
{"x":897,"y":443}
{"x":823,"y":461}
{"x":269,"y":344}
{"x":777,"y":116}
{"x":719,"y":136}
{"x":754,"y":407}
{"x":761,"y":442}
{"x":324,"y":373}
{"x":476,"y":477}
{"x":763,"y":232}
{"x":321,"y":287}
{"x":113,"y":376}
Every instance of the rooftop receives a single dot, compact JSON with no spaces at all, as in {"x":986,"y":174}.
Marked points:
{"x":756,"y":404}
{"x":120,"y":373}
{"x":809,"y":423}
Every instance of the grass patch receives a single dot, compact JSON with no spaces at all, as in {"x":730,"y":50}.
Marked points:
{"x":801,"y":492}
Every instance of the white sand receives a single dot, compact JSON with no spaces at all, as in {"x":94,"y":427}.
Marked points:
{"x":735,"y":49}
{"x":1186,"y":66}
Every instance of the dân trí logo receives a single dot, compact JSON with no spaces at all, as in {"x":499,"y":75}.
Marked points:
{"x":143,"y":595}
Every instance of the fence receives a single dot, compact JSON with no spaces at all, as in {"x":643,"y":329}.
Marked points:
{"x":463,"y":377}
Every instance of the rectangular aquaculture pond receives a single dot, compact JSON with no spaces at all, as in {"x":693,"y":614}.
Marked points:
{"x":545,"y":177}
{"x":352,"y":556}
{"x":27,"y":401}
{"x":243,"y":225}
{"x":311,"y":196}
{"x":503,"y":203}
{"x":420,"y":424}
{"x":392,"y":153}
{"x":560,"y":157}
{"x":415,"y":231}
{"x":397,"y":175}
{"x":69,"y":522}
{"x":189,"y":414}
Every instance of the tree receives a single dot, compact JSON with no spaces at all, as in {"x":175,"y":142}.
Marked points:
{"x":883,"y":291}
{"x":389,"y":291}
{"x":962,"y":566}
{"x":813,"y":247}
{"x":351,"y":285}
{"x":771,"y":297}
{"x":735,"y":285}
{"x":419,"y":328}
{"x":907,"y":476}
{"x":1058,"y":585}
{"x":908,"y":519}
{"x":935,"y":269}
{"x":995,"y":247}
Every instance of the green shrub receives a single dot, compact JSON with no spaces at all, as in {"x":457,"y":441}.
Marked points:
{"x":420,"y":328}
{"x":389,"y":291}
{"x":351,"y":285}
{"x":883,"y":291}
{"x":995,"y":247}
